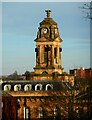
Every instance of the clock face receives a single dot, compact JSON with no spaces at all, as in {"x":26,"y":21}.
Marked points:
{"x":45,"y":30}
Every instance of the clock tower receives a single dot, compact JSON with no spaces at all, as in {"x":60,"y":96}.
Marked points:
{"x":48,"y":47}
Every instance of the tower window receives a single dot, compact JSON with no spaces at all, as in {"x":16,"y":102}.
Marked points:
{"x":55,"y":52}
{"x":45,"y":54}
{"x":60,"y":49}
{"x":47,"y":48}
{"x":37,"y":51}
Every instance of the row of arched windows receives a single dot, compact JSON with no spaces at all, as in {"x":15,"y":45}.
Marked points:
{"x":28,"y":87}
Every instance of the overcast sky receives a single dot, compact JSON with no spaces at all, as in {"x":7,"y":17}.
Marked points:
{"x":20,"y":22}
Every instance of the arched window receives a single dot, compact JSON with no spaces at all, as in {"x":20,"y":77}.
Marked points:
{"x":17,"y":87}
{"x":49,"y":87}
{"x":7,"y":87}
{"x":38,"y":87}
{"x":28,"y":87}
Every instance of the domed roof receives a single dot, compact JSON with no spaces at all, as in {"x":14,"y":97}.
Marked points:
{"x":48,"y":20}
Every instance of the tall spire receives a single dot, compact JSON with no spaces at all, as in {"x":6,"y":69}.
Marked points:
{"x":48,"y":13}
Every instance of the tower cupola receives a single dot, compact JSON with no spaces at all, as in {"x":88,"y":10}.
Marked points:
{"x":48,"y":47}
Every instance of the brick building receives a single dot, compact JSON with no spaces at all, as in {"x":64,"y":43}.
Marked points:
{"x":82,"y":73}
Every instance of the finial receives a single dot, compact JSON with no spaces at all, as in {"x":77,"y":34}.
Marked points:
{"x":48,"y":13}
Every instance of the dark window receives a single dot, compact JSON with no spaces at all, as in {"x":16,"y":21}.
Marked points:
{"x":38,"y":87}
{"x":55,"y":52}
{"x":60,"y":49}
{"x":49,"y":88}
{"x":37,"y":51}
{"x":45,"y":54}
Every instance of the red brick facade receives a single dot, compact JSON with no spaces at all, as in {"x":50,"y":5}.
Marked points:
{"x":82,"y":73}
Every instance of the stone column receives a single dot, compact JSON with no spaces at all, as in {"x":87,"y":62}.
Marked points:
{"x":52,"y":55}
{"x":58,"y":58}
{"x":37,"y":55}
{"x":40,"y":53}
{"x":49,"y":56}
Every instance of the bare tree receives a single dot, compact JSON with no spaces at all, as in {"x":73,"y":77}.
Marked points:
{"x":87,"y":9}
